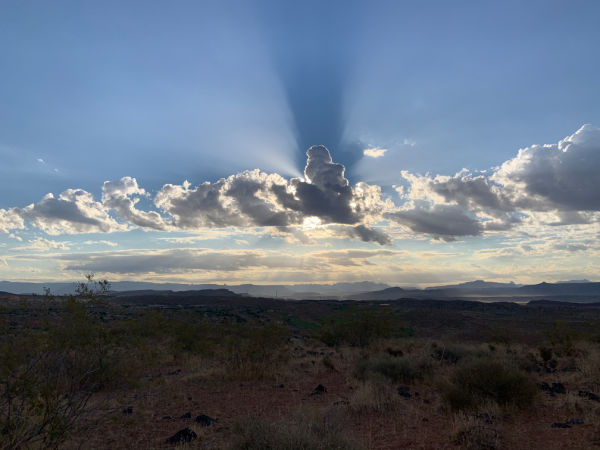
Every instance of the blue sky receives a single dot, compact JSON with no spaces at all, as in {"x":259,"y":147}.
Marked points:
{"x":163,"y":93}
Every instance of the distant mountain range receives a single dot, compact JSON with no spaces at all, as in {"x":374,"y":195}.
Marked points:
{"x":285,"y":291}
{"x":576,"y":290}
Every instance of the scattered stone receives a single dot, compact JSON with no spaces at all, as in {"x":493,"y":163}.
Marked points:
{"x":560,"y":425}
{"x":555,"y":388}
{"x":187,"y":415}
{"x":167,"y":417}
{"x":205,"y":420}
{"x":404,"y":391}
{"x":128,"y":410}
{"x":175,"y":372}
{"x":425,"y":419}
{"x":394,"y":352}
{"x":589,"y":395}
{"x":576,"y":421}
{"x":281,"y":386}
{"x":182,"y":437}
{"x":320,"y":389}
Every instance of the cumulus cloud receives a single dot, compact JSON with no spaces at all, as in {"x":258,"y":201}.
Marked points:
{"x":374,"y":152}
{"x":367,"y":234}
{"x":43,"y":245}
{"x":254,"y":198}
{"x":560,"y":176}
{"x":542,"y":185}
{"x":440,"y":221}
{"x":74,"y":211}
{"x":10,"y":219}
{"x":122,"y":196}
{"x":552,"y":184}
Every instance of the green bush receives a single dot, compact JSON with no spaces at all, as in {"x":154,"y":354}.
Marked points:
{"x":479,"y":381}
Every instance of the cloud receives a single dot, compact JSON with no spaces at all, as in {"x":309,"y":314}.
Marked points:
{"x":10,"y":219}
{"x":122,"y":196}
{"x":440,"y":221}
{"x":74,"y":211}
{"x":101,"y":242}
{"x":205,"y":260}
{"x":43,"y":245}
{"x":551,"y":184}
{"x":366,"y":234}
{"x":254,"y":198}
{"x":562,"y":176}
{"x":374,"y":152}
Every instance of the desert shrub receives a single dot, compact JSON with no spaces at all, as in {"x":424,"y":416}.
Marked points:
{"x":474,"y":432}
{"x":253,"y":351}
{"x":357,"y":328}
{"x":564,"y":339}
{"x":308,"y":430}
{"x":482,"y":380}
{"x":397,"y":370}
{"x":374,"y":396}
{"x":449,"y":353}
{"x":49,"y":374}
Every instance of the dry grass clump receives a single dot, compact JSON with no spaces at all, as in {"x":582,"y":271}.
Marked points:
{"x":397,"y":370}
{"x":307,"y":430}
{"x":475,"y":431}
{"x":377,"y":396}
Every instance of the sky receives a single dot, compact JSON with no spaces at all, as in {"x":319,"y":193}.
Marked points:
{"x":410,"y":143}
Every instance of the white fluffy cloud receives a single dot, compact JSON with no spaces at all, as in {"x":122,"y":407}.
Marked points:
{"x":74,"y":211}
{"x":122,"y":196}
{"x":374,"y":152}
{"x":552,"y":184}
{"x":543,"y":185}
{"x":10,"y":219}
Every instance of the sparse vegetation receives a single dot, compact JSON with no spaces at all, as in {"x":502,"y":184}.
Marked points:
{"x":86,"y":370}
{"x":306,"y":430}
{"x":489,"y":379}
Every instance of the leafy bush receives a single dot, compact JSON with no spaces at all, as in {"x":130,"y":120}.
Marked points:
{"x":483,"y":380}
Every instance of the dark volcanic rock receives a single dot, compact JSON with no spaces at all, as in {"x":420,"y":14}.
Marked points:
{"x":404,"y":391}
{"x":128,"y":410}
{"x":555,"y":388}
{"x":320,"y":389}
{"x":560,"y":425}
{"x":589,"y":395}
{"x":205,"y":420}
{"x":182,"y":437}
{"x":187,"y":415}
